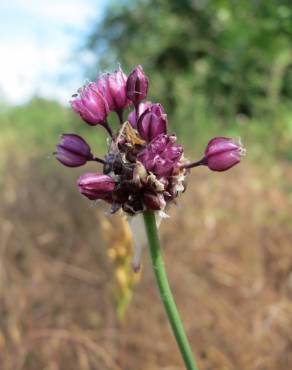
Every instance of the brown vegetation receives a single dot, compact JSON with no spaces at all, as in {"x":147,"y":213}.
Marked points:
{"x":228,"y":253}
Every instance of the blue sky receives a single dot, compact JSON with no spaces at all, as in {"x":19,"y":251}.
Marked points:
{"x":38,"y":38}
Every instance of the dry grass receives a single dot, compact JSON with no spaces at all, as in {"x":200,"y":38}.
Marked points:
{"x":229,"y":257}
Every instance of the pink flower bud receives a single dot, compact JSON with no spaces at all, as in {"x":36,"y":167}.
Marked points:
{"x":96,"y":186}
{"x":137,"y":85}
{"x":112,"y":87}
{"x":152,"y":122}
{"x":73,"y":151}
{"x":222,"y":153}
{"x":90,"y":105}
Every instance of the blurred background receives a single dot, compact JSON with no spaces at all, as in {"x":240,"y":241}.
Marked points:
{"x":68,"y":299}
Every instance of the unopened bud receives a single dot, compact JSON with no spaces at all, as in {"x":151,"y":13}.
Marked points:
{"x":223,"y":153}
{"x":73,"y":151}
{"x":137,"y":85}
{"x":96,"y":186}
{"x":132,"y":117}
{"x":152,"y":122}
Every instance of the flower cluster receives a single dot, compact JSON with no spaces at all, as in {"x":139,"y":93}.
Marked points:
{"x":144,"y":167}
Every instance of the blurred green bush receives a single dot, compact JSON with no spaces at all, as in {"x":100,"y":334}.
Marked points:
{"x":236,"y":54}
{"x":36,"y":126}
{"x":219,"y":67}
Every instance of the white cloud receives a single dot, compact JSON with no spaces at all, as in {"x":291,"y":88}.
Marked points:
{"x":16,"y":82}
{"x":39,"y":73}
{"x":66,"y":12}
{"x":37,"y":50}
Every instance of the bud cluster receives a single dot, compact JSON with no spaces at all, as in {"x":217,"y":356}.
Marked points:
{"x":144,"y":168}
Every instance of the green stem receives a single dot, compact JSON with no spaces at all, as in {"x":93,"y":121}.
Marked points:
{"x":165,"y":292}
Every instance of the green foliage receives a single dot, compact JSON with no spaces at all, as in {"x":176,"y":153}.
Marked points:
{"x":237,"y":54}
{"x":38,"y":121}
{"x":218,"y":67}
{"x":37,"y":125}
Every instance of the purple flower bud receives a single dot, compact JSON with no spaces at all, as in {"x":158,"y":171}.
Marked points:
{"x":222,"y":153}
{"x":73,"y":151}
{"x":112,"y":87}
{"x":161,"y":156}
{"x":141,"y":109}
{"x":152,"y":122}
{"x":96,"y":186}
{"x":154,"y":201}
{"x":137,"y":85}
{"x":90,"y":105}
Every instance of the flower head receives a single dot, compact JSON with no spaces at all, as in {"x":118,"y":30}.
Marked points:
{"x":144,"y":167}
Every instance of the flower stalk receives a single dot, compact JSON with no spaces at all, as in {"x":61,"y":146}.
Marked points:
{"x":108,"y":129}
{"x":165,"y":292}
{"x":120,"y":114}
{"x":99,"y":160}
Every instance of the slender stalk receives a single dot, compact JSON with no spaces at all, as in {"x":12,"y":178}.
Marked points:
{"x":201,"y":162}
{"x":120,"y":116}
{"x":99,"y":160}
{"x":165,"y":292}
{"x":137,"y":112}
{"x":108,"y":128}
